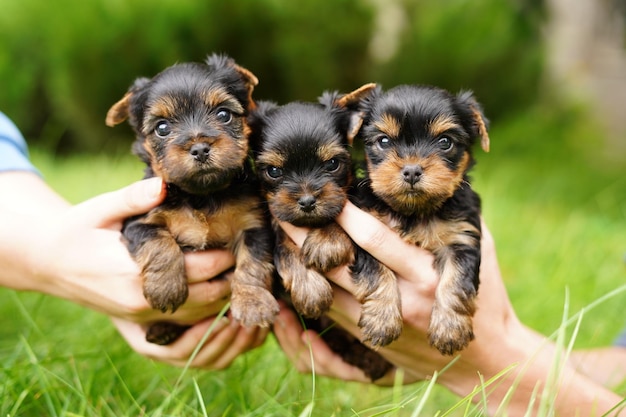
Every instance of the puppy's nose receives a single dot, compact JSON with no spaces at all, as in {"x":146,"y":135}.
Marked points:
{"x":412,"y":173}
{"x":200,"y":152}
{"x":307,"y":203}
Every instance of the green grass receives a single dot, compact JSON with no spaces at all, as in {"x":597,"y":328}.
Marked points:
{"x":557,"y":211}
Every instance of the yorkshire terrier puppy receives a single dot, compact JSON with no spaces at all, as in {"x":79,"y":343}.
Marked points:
{"x":418,"y":149}
{"x":191,"y":126}
{"x":303,"y":159}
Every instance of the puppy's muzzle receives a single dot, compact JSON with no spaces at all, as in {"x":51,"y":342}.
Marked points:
{"x":412,"y":173}
{"x":200,"y":152}
{"x":307,"y":203}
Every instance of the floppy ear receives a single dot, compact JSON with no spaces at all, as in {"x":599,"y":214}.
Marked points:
{"x":221,"y":62}
{"x":353,"y":98}
{"x":120,"y":111}
{"x":250,"y":81}
{"x":480,"y":121}
{"x":352,"y":101}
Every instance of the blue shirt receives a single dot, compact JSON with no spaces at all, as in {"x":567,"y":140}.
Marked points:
{"x":13,"y":149}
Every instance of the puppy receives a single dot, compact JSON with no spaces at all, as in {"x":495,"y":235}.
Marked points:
{"x":303,"y":159}
{"x":191,"y":128}
{"x":418,"y":149}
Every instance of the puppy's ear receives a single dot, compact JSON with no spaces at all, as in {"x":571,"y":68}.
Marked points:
{"x":250,"y":81}
{"x":354,"y":98}
{"x":353,"y":101}
{"x":120,"y":111}
{"x":221,"y":62}
{"x":257,"y":121}
{"x":481,"y":123}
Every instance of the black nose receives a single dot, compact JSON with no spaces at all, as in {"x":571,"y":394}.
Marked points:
{"x":307,"y":203}
{"x":200,"y":152}
{"x":412,"y":173}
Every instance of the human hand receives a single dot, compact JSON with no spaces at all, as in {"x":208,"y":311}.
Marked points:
{"x":417,"y":294}
{"x":504,"y":348}
{"x":417,"y":280}
{"x":76,"y":253}
{"x":225,"y":340}
{"x":81,"y":257}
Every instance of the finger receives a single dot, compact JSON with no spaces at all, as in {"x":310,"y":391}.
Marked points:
{"x":297,"y":234}
{"x":245,"y":339}
{"x":385,"y":244}
{"x":204,"y":294}
{"x":328,"y":363}
{"x":204,"y":265}
{"x":287,"y":330}
{"x":112,"y":208}
{"x":177,"y":353}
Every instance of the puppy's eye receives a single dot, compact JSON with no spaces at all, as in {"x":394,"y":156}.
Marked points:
{"x":274,"y":172}
{"x":445,"y":144}
{"x":331,"y":165}
{"x":162,"y":129}
{"x":383,"y":142}
{"x":224,"y":116}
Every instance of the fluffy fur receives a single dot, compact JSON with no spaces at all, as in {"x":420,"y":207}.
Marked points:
{"x":418,"y":149}
{"x":191,"y":130}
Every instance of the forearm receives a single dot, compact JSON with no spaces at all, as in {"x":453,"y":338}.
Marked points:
{"x":26,"y":205}
{"x":536,"y":378}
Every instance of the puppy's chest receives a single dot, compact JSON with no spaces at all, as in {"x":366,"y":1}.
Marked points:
{"x":220,"y":227}
{"x":432,"y":233}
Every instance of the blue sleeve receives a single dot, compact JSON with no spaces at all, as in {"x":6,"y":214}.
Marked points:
{"x":13,"y":149}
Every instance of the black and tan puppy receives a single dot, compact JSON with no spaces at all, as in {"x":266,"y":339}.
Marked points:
{"x":302,"y":156}
{"x":418,"y":146}
{"x":191,"y":127}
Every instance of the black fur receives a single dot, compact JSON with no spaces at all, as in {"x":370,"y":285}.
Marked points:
{"x":190,"y":123}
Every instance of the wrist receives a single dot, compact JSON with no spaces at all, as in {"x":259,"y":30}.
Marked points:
{"x":525,"y":371}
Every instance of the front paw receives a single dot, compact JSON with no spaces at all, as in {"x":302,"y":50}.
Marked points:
{"x":380,"y":322}
{"x":166,"y":290}
{"x":312,"y":295}
{"x":324,"y":251}
{"x":253,"y":306}
{"x":449,"y":331}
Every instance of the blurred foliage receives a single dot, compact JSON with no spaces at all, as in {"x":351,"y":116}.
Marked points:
{"x":64,"y":63}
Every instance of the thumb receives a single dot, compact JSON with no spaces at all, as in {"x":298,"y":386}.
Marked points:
{"x":113,"y":207}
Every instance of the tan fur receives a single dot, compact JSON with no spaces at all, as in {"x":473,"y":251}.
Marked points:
{"x":437,"y":183}
{"x":331,"y":150}
{"x":442,"y":124}
{"x":119,"y":111}
{"x":482,"y":128}
{"x":327,"y":247}
{"x":199,"y":229}
{"x":270,"y":158}
{"x":388,"y":125}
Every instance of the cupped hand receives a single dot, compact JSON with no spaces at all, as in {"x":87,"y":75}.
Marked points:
{"x":417,"y":281}
{"x":83,"y":258}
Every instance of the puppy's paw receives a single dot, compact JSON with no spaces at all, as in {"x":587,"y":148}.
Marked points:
{"x":253,"y":306}
{"x":380,"y":322}
{"x":328,"y":248}
{"x":165,"y":291}
{"x":311,"y":296}
{"x":449,"y":331}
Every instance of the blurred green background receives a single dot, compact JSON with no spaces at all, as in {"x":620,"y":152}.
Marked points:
{"x":553,"y":185}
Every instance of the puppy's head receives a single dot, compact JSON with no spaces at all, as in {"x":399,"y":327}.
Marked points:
{"x":190,"y":122}
{"x":418,"y":143}
{"x":302,"y":156}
